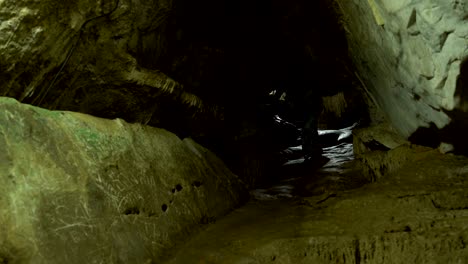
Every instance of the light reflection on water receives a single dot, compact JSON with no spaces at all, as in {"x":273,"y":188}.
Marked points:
{"x":294,"y":173}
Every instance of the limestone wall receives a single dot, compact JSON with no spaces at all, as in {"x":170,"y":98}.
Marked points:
{"x":80,"y":189}
{"x":103,"y":58}
{"x":408,"y":54}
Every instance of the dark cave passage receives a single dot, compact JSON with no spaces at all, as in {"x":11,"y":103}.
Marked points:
{"x":261,"y":59}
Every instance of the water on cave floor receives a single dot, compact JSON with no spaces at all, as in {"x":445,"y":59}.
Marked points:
{"x":334,"y":172}
{"x":276,"y":211}
{"x":317,"y":214}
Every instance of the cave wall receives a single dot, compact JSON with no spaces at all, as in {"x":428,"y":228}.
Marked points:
{"x":106,"y":58}
{"x":408,"y":55}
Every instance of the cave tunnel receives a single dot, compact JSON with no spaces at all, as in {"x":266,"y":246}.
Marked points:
{"x":177,"y":131}
{"x":255,"y":52}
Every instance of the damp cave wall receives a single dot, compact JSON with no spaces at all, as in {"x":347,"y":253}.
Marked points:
{"x":411,"y":56}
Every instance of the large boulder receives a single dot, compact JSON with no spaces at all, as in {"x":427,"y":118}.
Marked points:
{"x":80,"y":189}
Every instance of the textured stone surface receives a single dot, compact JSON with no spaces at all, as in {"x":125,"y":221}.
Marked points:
{"x":408,"y":54}
{"x":377,"y":137}
{"x":80,"y":189}
{"x":416,"y":214}
{"x":379,"y":149}
{"x":377,"y":164}
{"x":103,"y":58}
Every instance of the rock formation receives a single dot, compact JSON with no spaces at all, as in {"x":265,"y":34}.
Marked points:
{"x":409,"y":56}
{"x":80,"y":189}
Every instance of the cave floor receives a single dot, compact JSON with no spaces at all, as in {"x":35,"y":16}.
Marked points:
{"x":418,"y":214}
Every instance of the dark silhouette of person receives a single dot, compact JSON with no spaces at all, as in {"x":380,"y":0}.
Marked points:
{"x":297,"y":77}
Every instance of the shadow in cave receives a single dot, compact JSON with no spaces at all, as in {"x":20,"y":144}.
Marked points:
{"x":297,"y":47}
{"x":455,"y":132}
{"x":334,"y":171}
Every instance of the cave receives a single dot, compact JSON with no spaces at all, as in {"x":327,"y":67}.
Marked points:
{"x":286,"y":131}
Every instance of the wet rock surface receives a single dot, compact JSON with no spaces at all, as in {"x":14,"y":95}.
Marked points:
{"x":80,"y":189}
{"x":416,"y":213}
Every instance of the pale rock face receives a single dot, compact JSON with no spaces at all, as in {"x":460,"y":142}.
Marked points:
{"x":36,"y":38}
{"x":408,"y":54}
{"x":80,"y":189}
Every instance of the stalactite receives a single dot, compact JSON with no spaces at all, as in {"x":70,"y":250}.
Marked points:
{"x":335,"y":104}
